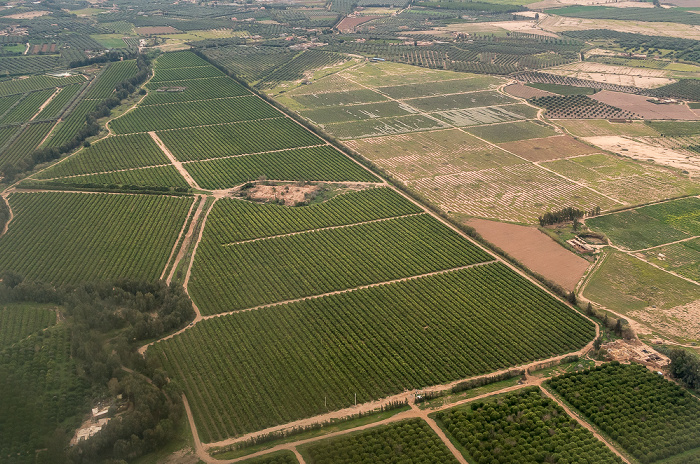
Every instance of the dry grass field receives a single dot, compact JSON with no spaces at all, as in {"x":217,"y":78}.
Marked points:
{"x":549,"y":148}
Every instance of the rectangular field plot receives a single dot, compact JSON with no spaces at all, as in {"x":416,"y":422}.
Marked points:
{"x":249,"y":274}
{"x":332,"y":83}
{"x":112,"y":75}
{"x":511,"y":132}
{"x":408,"y":441}
{"x":351,"y":97}
{"x":518,"y":193}
{"x":158,"y":176}
{"x":200,"y":143}
{"x":391,"y":74}
{"x":460,"y":100}
{"x":189,"y":114}
{"x":197,"y":89}
{"x":323,"y":163}
{"x":428,"y":89}
{"x":182,"y":74}
{"x":549,"y":148}
{"x":17,"y":86}
{"x":184,"y":59}
{"x":58,"y":104}
{"x":682,"y":258}
{"x":110,"y":154}
{"x":236,"y":220}
{"x":29,"y":138}
{"x":652,"y":225}
{"x":675,"y":128}
{"x":602,"y":127}
{"x":74,"y":237}
{"x":256,"y":369}
{"x":522,"y":423}
{"x":650,"y":417}
{"x":487,"y":115}
{"x":425,"y":154}
{"x":278,"y":457}
{"x":27,"y":108}
{"x":384,"y":126}
{"x":19,"y":320}
{"x":357,"y":112}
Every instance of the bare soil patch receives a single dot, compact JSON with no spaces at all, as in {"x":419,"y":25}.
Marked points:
{"x":642,"y":106}
{"x":549,"y":148}
{"x":535,"y":250}
{"x":524,"y":91}
{"x":28,"y":15}
{"x":348,"y":24}
{"x":635,"y":351}
{"x":156,"y":30}
{"x":680,"y":322}
{"x":641,"y":151}
{"x":561,"y":23}
{"x":289,"y":195}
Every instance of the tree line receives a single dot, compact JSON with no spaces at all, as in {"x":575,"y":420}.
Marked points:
{"x":566,"y":214}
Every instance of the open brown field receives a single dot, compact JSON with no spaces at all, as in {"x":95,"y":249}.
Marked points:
{"x":524,"y":91}
{"x":645,"y":78}
{"x":549,"y":148}
{"x":349,"y":24}
{"x":535,"y":250}
{"x":595,"y":127}
{"x":641,"y":105}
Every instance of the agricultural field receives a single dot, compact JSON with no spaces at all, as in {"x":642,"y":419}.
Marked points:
{"x":650,"y":417}
{"x":603,"y":127}
{"x":167,"y":177}
{"x":383,"y":126}
{"x":59,"y":102}
{"x":28,"y":139}
{"x":27,"y":107}
{"x":350,"y":113}
{"x":522,"y":427}
{"x":459,"y":101}
{"x":548,"y":148}
{"x":280,"y":457}
{"x":447,"y":321}
{"x":581,"y":107}
{"x":487,"y":115}
{"x":651,"y":226}
{"x":20,"y":320}
{"x":40,"y":242}
{"x":407,"y":441}
{"x":511,"y":132}
{"x":20,"y":86}
{"x":659,"y":303}
{"x":682,"y":258}
{"x":190,"y":90}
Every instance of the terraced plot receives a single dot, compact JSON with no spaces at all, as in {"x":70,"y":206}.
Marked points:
{"x":322,"y":163}
{"x":374,"y":342}
{"x":233,"y":276}
{"x":189,"y":114}
{"x":110,"y":154}
{"x":202,"y":143}
{"x":120,"y":235}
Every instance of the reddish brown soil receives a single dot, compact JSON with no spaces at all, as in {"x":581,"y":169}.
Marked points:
{"x":639,"y":104}
{"x":535,"y":250}
{"x":156,"y":30}
{"x":349,"y":24}
{"x":523,"y":91}
{"x":549,"y":148}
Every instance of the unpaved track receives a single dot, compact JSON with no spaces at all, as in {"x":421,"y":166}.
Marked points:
{"x":423,"y":414}
{"x":179,"y":236}
{"x":43,"y":105}
{"x":108,"y":172}
{"x":188,"y":238}
{"x":178,"y":165}
{"x":12,"y":216}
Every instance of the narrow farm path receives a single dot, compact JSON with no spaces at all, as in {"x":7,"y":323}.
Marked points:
{"x":9,"y":219}
{"x":178,"y":165}
{"x":583,"y":423}
{"x":343,"y":226}
{"x":256,"y":153}
{"x":423,"y":414}
{"x":179,"y":237}
{"x":50,"y":132}
{"x":188,"y":238}
{"x":108,"y":172}
{"x":666,"y":244}
{"x":43,"y":105}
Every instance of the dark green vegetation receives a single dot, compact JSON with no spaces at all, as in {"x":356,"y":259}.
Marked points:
{"x":281,"y":457}
{"x":73,"y":237}
{"x":374,"y":342}
{"x":189,"y":90}
{"x":230,"y":276}
{"x":72,"y":366}
{"x":650,"y":417}
{"x":652,"y":225}
{"x":408,"y":441}
{"x":18,"y":321}
{"x":685,"y":367}
{"x":580,"y":107}
{"x":523,"y":427}
{"x":671,"y":15}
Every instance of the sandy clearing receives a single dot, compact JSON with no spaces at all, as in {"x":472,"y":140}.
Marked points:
{"x":677,"y":322}
{"x":561,"y":23}
{"x":640,"y":151}
{"x":644,"y":82}
{"x":642,"y":106}
{"x":535,"y":250}
{"x":28,"y":15}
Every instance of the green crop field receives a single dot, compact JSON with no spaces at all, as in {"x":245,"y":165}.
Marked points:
{"x":110,"y":154}
{"x":236,"y":220}
{"x":20,"y":320}
{"x":182,"y":74}
{"x":197,"y":89}
{"x":563,"y":89}
{"x":71,"y":124}
{"x":285,"y":268}
{"x":510,"y":132}
{"x":407,"y":441}
{"x":7,"y":102}
{"x":675,"y":128}
{"x":522,"y":427}
{"x":682,"y":258}
{"x":40,"y":368}
{"x":110,"y":77}
{"x":280,"y":457}
{"x":17,"y":86}
{"x":200,"y":143}
{"x":26,"y":142}
{"x":597,"y":127}
{"x":42,"y":243}
{"x":373,"y":342}
{"x":27,"y":108}
{"x":350,"y":97}
{"x":460,"y":100}
{"x":184,"y":59}
{"x":650,"y":417}
{"x":356,"y":112}
{"x":322,"y":163}
{"x":652,"y":225}
{"x":428,"y":89}
{"x":59,"y":102}
{"x":157,"y":176}
{"x":189,"y":114}
{"x":487,"y":115}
